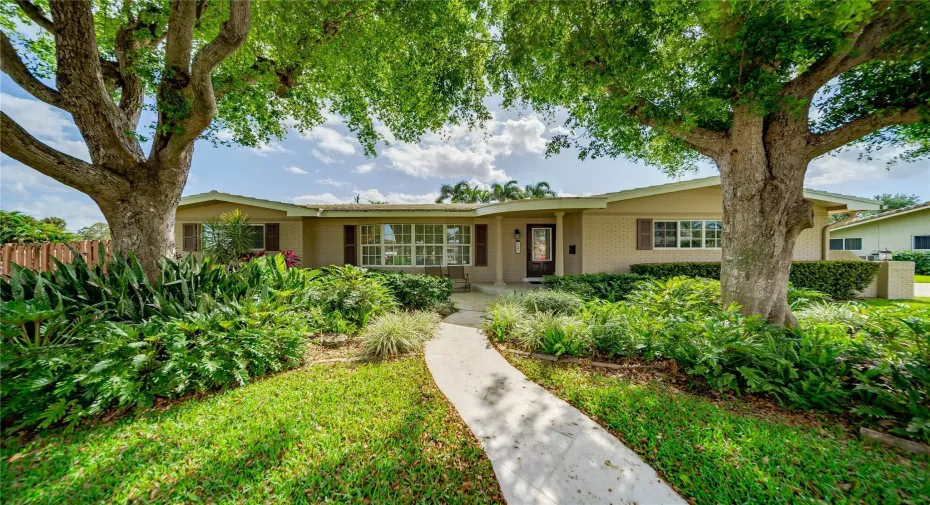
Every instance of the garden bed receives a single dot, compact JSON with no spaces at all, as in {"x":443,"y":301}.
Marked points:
{"x":736,"y":450}
{"x":362,"y":433}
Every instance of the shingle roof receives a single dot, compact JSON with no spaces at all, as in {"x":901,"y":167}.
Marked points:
{"x":380,"y":207}
{"x":884,"y":215}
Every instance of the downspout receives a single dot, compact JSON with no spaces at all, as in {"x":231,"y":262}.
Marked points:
{"x":825,"y":243}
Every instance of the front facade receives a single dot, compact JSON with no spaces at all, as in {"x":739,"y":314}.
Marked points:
{"x":906,"y":229}
{"x":505,"y":242}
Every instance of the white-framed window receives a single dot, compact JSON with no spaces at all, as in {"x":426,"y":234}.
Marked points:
{"x":845,"y":244}
{"x":415,"y":245}
{"x":688,"y":234}
{"x":921,"y":242}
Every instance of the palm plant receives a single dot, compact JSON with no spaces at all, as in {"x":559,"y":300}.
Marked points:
{"x":480,"y":195}
{"x":539,"y":190}
{"x":508,"y":191}
{"x":229,"y":237}
{"x":461,"y":192}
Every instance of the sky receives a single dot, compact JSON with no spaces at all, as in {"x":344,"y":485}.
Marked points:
{"x":328,"y":165}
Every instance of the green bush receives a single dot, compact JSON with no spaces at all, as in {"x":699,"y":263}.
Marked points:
{"x":612,"y":287}
{"x":399,"y":332}
{"x":841,"y":280}
{"x":416,"y":291}
{"x":554,"y":334}
{"x":125,"y":365}
{"x":554,"y":302}
{"x":921,"y":260}
{"x":678,"y":297}
{"x":352,"y":292}
{"x":503,"y":317}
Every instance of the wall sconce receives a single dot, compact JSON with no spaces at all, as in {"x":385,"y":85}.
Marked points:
{"x":516,"y":238}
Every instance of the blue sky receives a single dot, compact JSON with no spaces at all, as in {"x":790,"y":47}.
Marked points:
{"x":328,"y":165}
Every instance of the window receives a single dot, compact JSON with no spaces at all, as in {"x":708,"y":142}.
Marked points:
{"x":853,"y":244}
{"x":429,"y":244}
{"x":836,"y":244}
{"x":420,"y":245}
{"x":692,"y":234}
{"x":922,"y":242}
{"x":258,"y":238}
{"x":542,"y":242}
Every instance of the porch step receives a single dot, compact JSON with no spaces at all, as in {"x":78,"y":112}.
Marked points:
{"x":491,"y":289}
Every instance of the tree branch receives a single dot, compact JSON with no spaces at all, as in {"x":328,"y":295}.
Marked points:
{"x":199,"y":93}
{"x":12,"y":65}
{"x":105,"y":128}
{"x":862,"y":45}
{"x":80,"y":175}
{"x":822,"y":143}
{"x":710,"y":143}
{"x":36,"y":14}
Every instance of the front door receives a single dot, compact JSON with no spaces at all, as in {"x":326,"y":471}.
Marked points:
{"x":540,"y":250}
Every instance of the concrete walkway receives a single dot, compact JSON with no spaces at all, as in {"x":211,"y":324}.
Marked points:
{"x":544,"y":451}
{"x":921,"y":289}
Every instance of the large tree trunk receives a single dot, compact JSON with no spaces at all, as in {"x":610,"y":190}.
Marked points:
{"x":142,"y":220}
{"x":764,"y":211}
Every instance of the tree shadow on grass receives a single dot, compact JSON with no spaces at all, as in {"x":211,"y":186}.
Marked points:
{"x":285,"y":439}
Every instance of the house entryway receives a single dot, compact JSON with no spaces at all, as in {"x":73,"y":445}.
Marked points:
{"x":540,"y":250}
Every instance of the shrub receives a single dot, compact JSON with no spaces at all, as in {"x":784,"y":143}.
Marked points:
{"x":503,"y":318}
{"x":921,"y":260}
{"x":555,"y":302}
{"x":678,"y":297}
{"x":623,"y":330}
{"x":399,"y":332}
{"x":416,"y":291}
{"x":229,"y":237}
{"x":121,"y":365}
{"x":841,"y":280}
{"x":352,"y":292}
{"x":798,"y":298}
{"x":707,"y":270}
{"x":612,"y":287}
{"x":554,"y":334}
{"x":847,"y":315}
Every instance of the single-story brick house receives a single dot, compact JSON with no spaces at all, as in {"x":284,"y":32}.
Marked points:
{"x":509,"y":241}
{"x":906,"y":229}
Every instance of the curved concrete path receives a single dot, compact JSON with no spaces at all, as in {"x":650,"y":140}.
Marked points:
{"x":544,"y":451}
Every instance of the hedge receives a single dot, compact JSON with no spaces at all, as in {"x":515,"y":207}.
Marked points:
{"x":921,"y":260}
{"x":416,"y":291}
{"x":614,"y":287}
{"x":841,"y":280}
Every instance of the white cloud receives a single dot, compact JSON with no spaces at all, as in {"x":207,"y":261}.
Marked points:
{"x":456,"y":151}
{"x":364,"y":168}
{"x":48,"y":124}
{"x":846,"y":166}
{"x":225,"y":135}
{"x":20,"y":180}
{"x":323,"y":199}
{"x":322,"y":157}
{"x":328,"y":139}
{"x":296,"y":170}
{"x":266,"y":149}
{"x":332,"y":182}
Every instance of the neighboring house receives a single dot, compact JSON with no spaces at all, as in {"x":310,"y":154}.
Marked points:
{"x":896,"y":230}
{"x":506,"y":241}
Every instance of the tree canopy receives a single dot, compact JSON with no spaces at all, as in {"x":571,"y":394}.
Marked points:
{"x":658,"y":81}
{"x":464,"y":192}
{"x":22,"y":228}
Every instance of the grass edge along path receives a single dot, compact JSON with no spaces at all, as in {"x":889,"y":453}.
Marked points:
{"x":716,"y":453}
{"x":346,"y":433}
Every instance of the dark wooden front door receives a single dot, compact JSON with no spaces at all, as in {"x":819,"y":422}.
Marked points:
{"x":540,"y":250}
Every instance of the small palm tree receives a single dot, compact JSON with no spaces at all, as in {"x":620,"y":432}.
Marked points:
{"x":461,"y":192}
{"x":228,"y":238}
{"x":480,"y":195}
{"x":509,"y":191}
{"x":539,"y":190}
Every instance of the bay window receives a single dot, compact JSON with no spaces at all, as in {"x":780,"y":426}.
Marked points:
{"x":415,"y":245}
{"x":688,"y":234}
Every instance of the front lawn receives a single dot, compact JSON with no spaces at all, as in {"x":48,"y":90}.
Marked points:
{"x":727,"y":452}
{"x":922,"y":278}
{"x":372,"y":433}
{"x":919,"y":302}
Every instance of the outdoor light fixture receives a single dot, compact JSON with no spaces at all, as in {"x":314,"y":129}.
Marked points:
{"x":884,"y":255}
{"x":516,"y":234}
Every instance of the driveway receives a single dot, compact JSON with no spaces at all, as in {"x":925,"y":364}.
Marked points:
{"x":922,"y":289}
{"x":544,"y":451}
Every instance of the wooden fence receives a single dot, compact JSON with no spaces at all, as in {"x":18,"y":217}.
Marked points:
{"x":39,"y":256}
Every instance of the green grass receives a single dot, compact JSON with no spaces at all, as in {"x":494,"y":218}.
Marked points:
{"x":919,"y":302}
{"x":922,"y":278}
{"x":726,"y":454}
{"x":372,"y":433}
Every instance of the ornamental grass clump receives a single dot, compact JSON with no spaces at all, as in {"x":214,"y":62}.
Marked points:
{"x":503,"y":317}
{"x":554,"y":302}
{"x":395,"y":333}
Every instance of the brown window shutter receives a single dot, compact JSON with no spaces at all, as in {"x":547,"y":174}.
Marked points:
{"x":481,"y":245}
{"x":272,"y":237}
{"x":350,"y":256}
{"x":644,"y":234}
{"x":191,"y":237}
